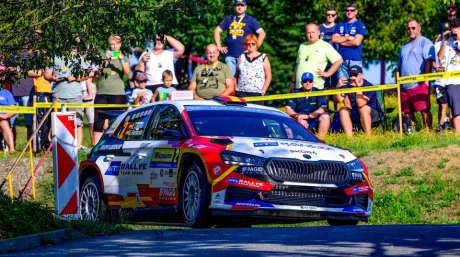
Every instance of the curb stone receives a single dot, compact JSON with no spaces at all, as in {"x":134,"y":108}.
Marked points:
{"x":21,"y":243}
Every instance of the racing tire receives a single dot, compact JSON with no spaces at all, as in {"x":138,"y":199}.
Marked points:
{"x":342,"y":222}
{"x":194,"y":197}
{"x":92,"y":204}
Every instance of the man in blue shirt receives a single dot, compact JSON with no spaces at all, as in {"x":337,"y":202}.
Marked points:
{"x":311,"y":111}
{"x":416,"y":57}
{"x":239,"y":26}
{"x":360,"y":107}
{"x":7,"y":99}
{"x":349,"y":35}
{"x":327,"y":29}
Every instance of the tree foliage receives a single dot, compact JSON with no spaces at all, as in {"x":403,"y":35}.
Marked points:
{"x":51,"y":25}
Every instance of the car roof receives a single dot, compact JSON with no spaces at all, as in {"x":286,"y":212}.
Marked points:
{"x":183,"y":103}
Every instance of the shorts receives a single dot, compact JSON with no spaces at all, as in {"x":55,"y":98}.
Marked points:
{"x":244,"y":94}
{"x":356,"y":118}
{"x":78,"y":111}
{"x":453,"y":96}
{"x":89,"y":112}
{"x":441,"y":95}
{"x":28,"y":118}
{"x":416,"y":99}
{"x":106,"y":99}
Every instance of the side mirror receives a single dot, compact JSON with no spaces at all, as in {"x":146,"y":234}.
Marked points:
{"x":171,"y":134}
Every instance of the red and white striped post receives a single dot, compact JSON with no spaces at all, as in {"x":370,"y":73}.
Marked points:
{"x":65,"y":165}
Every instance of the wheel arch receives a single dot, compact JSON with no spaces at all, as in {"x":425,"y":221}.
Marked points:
{"x":89,"y":169}
{"x":186,"y":159}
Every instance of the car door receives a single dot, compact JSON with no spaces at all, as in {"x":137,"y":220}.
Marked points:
{"x":166,"y":131}
{"x":133,"y":167}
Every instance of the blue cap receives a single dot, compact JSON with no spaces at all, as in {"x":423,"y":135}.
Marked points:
{"x":307,"y":76}
{"x":239,"y":2}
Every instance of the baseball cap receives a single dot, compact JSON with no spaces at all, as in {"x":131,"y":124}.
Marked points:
{"x":235,"y":2}
{"x":307,"y":76}
{"x":355,"y":69}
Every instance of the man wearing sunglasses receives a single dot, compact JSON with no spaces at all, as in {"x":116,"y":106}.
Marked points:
{"x":360,"y":107}
{"x":327,"y":30}
{"x":451,"y":10}
{"x":311,"y":111}
{"x":349,"y":36}
{"x":416,"y":57}
{"x":239,"y":26}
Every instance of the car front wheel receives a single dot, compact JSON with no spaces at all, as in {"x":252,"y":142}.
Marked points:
{"x":195,"y":197}
{"x":92,"y":205}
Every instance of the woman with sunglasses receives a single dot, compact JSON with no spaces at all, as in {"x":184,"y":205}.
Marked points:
{"x":253,"y":72}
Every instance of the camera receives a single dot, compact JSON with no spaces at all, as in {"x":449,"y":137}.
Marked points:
{"x":448,"y":35}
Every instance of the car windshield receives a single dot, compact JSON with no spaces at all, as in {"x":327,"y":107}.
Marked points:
{"x":242,"y":121}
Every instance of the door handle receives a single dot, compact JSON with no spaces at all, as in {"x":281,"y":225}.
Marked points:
{"x":110,"y":157}
{"x":141,"y":155}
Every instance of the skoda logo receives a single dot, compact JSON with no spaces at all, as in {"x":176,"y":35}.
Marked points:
{"x":307,"y":156}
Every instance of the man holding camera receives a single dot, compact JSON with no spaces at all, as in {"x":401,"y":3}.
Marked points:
{"x":416,"y":57}
{"x":449,"y":57}
{"x":360,"y":107}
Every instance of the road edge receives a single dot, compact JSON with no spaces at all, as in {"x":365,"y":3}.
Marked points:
{"x":21,"y":243}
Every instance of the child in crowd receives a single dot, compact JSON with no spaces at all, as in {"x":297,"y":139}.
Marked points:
{"x":162,"y":93}
{"x":141,"y":95}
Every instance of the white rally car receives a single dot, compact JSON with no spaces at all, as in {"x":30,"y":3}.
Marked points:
{"x":217,"y":160}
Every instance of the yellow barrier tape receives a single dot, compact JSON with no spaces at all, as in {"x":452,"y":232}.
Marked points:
{"x":321,"y":93}
{"x":429,"y":77}
{"x":71,"y":105}
{"x":17,"y":109}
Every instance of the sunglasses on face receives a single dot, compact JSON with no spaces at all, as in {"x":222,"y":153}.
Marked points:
{"x":330,"y":15}
{"x":411,"y":28}
{"x":350,"y":10}
{"x":307,"y":81}
{"x":250,"y":44}
{"x":353,"y":75}
{"x":451,"y":8}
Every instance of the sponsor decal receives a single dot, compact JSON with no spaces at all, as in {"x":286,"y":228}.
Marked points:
{"x":247,"y":204}
{"x":252,"y":169}
{"x":134,"y":166}
{"x":302,"y":151}
{"x":110,"y":147}
{"x":360,"y":189}
{"x":218,"y":196}
{"x":153,"y":176}
{"x":167,"y":194}
{"x":250,"y":183}
{"x":217,"y":170}
{"x":308,"y":146}
{"x":164,"y":158}
{"x":307,"y":156}
{"x":138,"y":198}
{"x":310,"y":208}
{"x":261,"y":196}
{"x":171,"y":173}
{"x":114,"y":169}
{"x":233,"y":180}
{"x":169,"y":184}
{"x":262,"y":144}
{"x":357,"y":176}
{"x":353,"y":209}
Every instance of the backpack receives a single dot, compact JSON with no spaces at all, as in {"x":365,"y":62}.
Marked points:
{"x":406,"y":125}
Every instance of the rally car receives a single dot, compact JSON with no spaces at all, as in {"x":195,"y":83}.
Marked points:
{"x":214,"y":159}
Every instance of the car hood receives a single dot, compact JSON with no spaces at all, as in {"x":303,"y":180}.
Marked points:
{"x":285,"y":148}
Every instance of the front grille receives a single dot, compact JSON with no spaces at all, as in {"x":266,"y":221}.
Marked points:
{"x":290,"y":195}
{"x":307,"y":172}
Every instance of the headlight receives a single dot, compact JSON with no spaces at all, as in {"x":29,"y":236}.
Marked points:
{"x":235,"y":158}
{"x":355,"y":166}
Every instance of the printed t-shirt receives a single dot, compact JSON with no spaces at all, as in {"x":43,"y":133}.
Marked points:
{"x":238,"y":30}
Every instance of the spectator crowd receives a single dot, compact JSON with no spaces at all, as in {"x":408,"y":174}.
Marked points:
{"x":331,"y":57}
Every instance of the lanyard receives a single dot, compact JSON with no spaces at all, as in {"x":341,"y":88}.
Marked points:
{"x":238,"y":23}
{"x":208,"y":70}
{"x":349,"y":27}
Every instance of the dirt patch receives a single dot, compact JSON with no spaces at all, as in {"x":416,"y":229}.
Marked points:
{"x":21,"y":173}
{"x":385,"y":168}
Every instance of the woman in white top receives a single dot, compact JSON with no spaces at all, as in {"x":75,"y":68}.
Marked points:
{"x":253,"y":73}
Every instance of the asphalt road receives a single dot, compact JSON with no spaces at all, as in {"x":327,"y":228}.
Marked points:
{"x":410,"y":240}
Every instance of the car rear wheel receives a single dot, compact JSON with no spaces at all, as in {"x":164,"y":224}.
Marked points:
{"x":92,"y":205}
{"x":342,"y":222}
{"x":194,"y":197}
